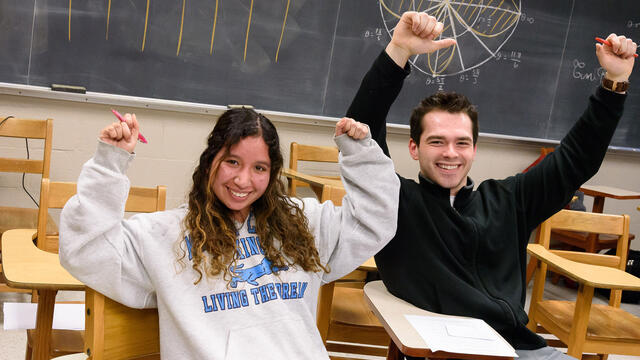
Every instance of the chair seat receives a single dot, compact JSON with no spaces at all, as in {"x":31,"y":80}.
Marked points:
{"x":62,"y":341}
{"x":605,"y":322}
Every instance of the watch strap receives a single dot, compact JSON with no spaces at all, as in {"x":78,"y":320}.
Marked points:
{"x":617,"y":86}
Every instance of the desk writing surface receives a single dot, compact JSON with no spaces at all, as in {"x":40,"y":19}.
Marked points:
{"x":369,"y":265}
{"x":609,"y":191}
{"x":391,"y":312}
{"x":27,"y":267}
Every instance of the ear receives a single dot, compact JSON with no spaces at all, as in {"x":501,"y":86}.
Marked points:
{"x":413,"y":149}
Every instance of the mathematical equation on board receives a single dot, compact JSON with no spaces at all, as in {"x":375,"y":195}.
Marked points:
{"x":633,"y":24}
{"x":511,"y":59}
{"x":374,"y":34}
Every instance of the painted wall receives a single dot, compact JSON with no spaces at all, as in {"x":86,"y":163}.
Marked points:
{"x":176,"y":140}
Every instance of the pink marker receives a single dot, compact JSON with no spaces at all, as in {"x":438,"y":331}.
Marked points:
{"x":140,"y":136}
{"x":606,"y":42}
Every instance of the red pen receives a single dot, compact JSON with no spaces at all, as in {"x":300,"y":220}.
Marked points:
{"x":140,"y":136}
{"x":606,"y":42}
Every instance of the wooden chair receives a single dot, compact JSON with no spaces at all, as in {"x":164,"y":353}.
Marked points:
{"x":581,"y":326}
{"x":300,"y":152}
{"x":345,"y":322}
{"x":55,"y":195}
{"x":17,"y":217}
{"x":117,"y":332}
{"x":579,"y":239}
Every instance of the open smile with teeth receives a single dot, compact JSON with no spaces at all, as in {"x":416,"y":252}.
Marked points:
{"x":237,"y":194}
{"x":448,"y":167}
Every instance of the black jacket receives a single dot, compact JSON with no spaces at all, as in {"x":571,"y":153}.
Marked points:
{"x":470,"y":259}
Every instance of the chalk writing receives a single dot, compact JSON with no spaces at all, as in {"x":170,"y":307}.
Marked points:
{"x":373,"y":34}
{"x":581,"y":73}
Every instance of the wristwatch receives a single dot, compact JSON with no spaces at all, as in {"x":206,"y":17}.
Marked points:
{"x":617,"y":86}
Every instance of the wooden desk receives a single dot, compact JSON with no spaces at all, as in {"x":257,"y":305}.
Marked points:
{"x":316,"y":183}
{"x":390,"y":310}
{"x":592,"y":242}
{"x":599,"y":193}
{"x":27,"y":267}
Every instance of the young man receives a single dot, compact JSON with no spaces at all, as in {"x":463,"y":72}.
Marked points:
{"x":462,"y":251}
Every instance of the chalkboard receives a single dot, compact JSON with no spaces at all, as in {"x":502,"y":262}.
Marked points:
{"x":529,"y":65}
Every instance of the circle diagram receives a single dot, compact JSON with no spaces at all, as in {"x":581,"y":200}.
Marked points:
{"x":480,"y":27}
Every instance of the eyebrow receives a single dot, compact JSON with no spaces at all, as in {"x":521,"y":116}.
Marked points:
{"x":263,"y":163}
{"x":440,"y":137}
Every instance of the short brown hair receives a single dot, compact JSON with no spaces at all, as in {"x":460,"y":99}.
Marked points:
{"x":446,"y":101}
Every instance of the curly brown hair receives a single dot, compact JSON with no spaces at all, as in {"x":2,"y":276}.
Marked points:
{"x":280,"y":223}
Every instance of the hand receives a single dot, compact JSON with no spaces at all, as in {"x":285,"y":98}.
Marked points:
{"x":354,"y":129}
{"x":122,"y":134}
{"x":414,"y":34}
{"x":618,"y":58}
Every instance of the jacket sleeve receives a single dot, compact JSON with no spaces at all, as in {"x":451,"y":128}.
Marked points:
{"x":378,"y":90}
{"x":97,"y":245}
{"x":348,"y":235}
{"x":548,"y":186}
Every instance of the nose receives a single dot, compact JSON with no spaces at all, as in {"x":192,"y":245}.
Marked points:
{"x":450,"y":151}
{"x":242,"y":178}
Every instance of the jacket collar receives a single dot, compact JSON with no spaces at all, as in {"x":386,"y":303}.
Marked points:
{"x":461,"y":198}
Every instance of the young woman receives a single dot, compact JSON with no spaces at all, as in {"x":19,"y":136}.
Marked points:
{"x":235,"y":273}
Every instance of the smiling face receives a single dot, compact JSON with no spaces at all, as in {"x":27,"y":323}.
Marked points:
{"x":446,"y":150}
{"x":242,"y":175}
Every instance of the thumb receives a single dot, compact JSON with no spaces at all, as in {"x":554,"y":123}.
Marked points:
{"x":444,"y":43}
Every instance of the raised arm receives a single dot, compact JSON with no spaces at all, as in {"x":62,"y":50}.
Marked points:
{"x":415,"y":33}
{"x":97,"y":246}
{"x":547,"y":187}
{"x":347,"y":235}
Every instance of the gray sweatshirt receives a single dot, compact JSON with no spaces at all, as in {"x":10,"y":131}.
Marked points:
{"x":259,"y":314}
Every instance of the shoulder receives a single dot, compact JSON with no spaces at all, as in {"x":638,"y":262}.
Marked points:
{"x":159,"y":224}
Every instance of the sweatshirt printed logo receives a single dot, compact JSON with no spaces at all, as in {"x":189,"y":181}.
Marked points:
{"x":251,"y":274}
{"x":257,"y":294}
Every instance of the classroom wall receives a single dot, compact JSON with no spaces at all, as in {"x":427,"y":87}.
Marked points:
{"x":176,"y":140}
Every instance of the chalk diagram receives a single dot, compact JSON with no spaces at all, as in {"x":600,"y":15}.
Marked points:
{"x":214,"y":22}
{"x":480,"y":27}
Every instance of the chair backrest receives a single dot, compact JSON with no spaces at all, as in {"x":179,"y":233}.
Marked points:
{"x":53,"y":195}
{"x":29,"y":129}
{"x":117,"y":332}
{"x":616,"y":225}
{"x":300,"y":152}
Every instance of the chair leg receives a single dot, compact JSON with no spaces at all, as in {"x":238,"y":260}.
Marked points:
{"x":578,"y":333}
{"x":394,"y":353}
{"x":44,"y":320}
{"x":28,"y":352}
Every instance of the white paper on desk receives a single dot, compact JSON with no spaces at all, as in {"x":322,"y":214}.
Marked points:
{"x":19,"y":316}
{"x":460,"y":335}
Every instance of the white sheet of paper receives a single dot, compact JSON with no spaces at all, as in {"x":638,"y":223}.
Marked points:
{"x":471,"y":331}
{"x":460,"y":335}
{"x":23,"y":316}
